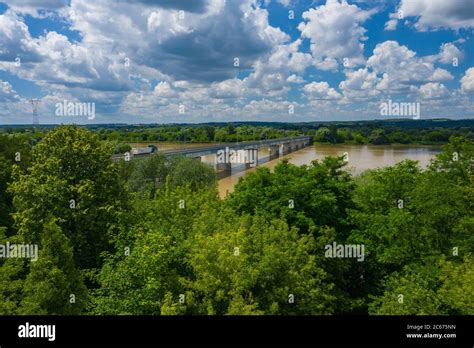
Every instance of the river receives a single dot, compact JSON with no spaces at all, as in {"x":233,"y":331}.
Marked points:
{"x":360,"y":158}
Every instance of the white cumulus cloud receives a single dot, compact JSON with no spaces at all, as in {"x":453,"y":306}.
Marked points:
{"x":436,"y":14}
{"x":467,"y":81}
{"x":336,"y":32}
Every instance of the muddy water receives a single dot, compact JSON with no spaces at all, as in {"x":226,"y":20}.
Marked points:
{"x":360,"y":158}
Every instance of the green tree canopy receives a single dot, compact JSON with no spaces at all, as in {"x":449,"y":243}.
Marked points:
{"x":73,"y":177}
{"x":54,"y":285}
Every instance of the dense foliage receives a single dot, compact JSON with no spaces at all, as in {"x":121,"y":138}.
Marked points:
{"x":360,"y":132}
{"x":152,"y":236}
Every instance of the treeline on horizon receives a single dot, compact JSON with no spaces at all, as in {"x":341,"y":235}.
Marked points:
{"x":367,"y":132}
{"x":152,"y":237}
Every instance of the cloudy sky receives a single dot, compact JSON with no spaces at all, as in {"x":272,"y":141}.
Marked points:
{"x":161,"y":61}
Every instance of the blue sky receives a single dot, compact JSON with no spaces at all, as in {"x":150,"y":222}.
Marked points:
{"x":171,"y":61}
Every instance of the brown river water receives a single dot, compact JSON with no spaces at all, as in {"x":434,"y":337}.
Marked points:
{"x":360,"y":157}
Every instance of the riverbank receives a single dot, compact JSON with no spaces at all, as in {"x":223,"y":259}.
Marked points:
{"x":360,"y":158}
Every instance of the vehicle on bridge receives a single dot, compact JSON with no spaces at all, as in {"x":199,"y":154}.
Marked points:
{"x":137,"y":151}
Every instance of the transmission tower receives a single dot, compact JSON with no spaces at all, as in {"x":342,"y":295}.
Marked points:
{"x":34,"y":103}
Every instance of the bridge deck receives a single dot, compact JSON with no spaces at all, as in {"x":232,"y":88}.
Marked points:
{"x":212,"y":149}
{"x":208,"y":150}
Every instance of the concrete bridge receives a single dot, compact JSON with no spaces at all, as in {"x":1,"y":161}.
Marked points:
{"x":243,"y":152}
{"x":246,"y":152}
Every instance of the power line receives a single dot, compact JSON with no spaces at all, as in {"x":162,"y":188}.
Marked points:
{"x":34,"y":103}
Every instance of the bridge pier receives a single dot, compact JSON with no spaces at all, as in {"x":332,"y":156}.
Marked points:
{"x":251,"y":158}
{"x":223,"y":167}
{"x":250,"y":165}
{"x":285,"y":149}
{"x":273,"y":151}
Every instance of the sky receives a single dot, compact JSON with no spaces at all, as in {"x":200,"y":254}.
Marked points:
{"x":182,"y":61}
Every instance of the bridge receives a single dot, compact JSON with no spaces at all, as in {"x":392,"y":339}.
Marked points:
{"x":242,"y":152}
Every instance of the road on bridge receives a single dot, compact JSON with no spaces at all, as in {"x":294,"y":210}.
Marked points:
{"x":212,"y":149}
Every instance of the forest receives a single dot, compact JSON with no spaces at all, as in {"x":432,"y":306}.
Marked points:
{"x":152,"y":236}
{"x":427,"y":132}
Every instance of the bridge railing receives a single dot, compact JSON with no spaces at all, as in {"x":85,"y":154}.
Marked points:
{"x":236,"y":145}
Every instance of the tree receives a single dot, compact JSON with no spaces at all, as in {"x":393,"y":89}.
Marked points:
{"x":150,"y":257}
{"x":442,"y":287}
{"x":407,"y":219}
{"x":230,"y":129}
{"x":72,"y":176}
{"x":137,"y":281}
{"x":306,"y":196}
{"x":457,"y":286}
{"x":5,"y":199}
{"x":192,"y":172}
{"x":412,"y":292}
{"x":151,"y":172}
{"x":14,"y":150}
{"x":121,"y":148}
{"x":383,"y":215}
{"x":457,"y":159}
{"x":322,"y":135}
{"x":54,"y":285}
{"x":12,"y":273}
{"x":378,"y":137}
{"x":249,"y":265}
{"x":183,"y":260}
{"x":334,"y":135}
{"x":314,"y":199}
{"x":358,"y":138}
